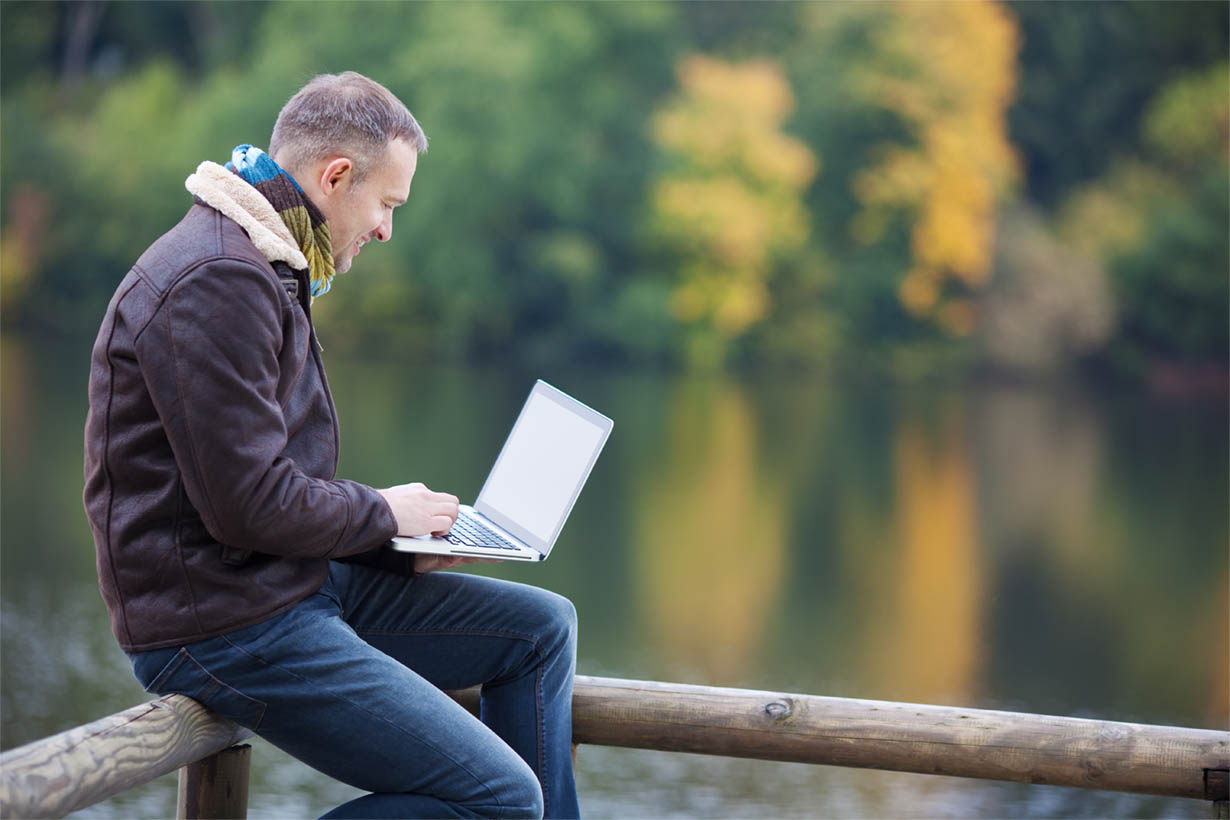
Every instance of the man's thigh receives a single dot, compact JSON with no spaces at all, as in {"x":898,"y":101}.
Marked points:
{"x":307,"y":683}
{"x":454,"y":629}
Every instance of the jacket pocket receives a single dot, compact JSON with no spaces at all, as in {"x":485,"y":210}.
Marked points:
{"x":184,"y":675}
{"x":190,"y":532}
{"x":235,"y":557}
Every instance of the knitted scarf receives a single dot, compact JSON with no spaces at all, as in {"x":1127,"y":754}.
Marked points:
{"x":305,"y":221}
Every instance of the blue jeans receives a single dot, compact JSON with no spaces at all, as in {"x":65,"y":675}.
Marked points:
{"x":349,"y":681}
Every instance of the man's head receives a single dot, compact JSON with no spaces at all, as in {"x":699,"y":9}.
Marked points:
{"x":353,"y":147}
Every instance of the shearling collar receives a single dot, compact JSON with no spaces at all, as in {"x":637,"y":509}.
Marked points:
{"x":234,"y":198}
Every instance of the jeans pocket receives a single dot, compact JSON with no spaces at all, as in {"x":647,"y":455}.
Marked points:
{"x":184,"y":675}
{"x":153,"y":664}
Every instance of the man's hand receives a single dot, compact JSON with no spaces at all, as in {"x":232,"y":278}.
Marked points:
{"x":419,"y":511}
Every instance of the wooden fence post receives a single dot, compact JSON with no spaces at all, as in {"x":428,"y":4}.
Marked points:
{"x":1217,"y":789}
{"x":216,"y":787}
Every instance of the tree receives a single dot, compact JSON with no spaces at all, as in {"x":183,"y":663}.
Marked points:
{"x":729,"y":200}
{"x":1088,"y":71}
{"x":947,"y":70}
{"x":1158,"y":221}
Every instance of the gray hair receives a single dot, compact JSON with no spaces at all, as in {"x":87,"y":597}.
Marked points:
{"x":343,"y":114}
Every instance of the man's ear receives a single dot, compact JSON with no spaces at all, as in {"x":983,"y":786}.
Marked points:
{"x":336,"y":176}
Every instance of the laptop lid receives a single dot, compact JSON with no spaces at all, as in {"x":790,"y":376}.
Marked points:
{"x":542,"y":466}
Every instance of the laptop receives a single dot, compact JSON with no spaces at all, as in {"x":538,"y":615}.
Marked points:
{"x":531,"y":487}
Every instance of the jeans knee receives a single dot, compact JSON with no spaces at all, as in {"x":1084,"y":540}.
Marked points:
{"x":521,"y":796}
{"x":561,"y":621}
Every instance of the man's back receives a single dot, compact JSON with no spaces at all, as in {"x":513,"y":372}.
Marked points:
{"x":205,"y":353}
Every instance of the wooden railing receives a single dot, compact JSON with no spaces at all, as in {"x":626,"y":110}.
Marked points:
{"x":82,"y":766}
{"x":74,"y":769}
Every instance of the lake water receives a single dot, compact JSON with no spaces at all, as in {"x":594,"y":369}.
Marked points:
{"x":1059,"y":551}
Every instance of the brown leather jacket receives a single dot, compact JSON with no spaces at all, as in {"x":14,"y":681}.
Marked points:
{"x":211,"y":444}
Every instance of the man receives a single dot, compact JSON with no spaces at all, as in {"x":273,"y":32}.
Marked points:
{"x":236,"y":569}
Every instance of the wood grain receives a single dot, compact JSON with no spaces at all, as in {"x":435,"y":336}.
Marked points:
{"x":74,"y":769}
{"x":216,"y":787}
{"x":80,"y":767}
{"x":1060,"y":751}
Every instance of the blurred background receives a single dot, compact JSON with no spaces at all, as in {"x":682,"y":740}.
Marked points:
{"x":913,"y":319}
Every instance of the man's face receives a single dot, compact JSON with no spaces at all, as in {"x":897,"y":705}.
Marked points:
{"x":364,"y":212}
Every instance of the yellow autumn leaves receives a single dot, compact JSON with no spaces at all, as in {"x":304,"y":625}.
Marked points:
{"x":731,"y":203}
{"x":953,"y":98}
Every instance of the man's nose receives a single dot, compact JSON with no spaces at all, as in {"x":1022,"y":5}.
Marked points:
{"x":384,"y":231}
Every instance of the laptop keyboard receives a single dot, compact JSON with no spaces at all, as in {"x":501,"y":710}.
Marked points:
{"x":467,"y":532}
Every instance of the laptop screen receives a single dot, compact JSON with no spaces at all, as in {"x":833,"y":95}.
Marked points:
{"x":543,"y":465}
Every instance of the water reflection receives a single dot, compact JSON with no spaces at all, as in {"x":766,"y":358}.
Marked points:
{"x":1042,"y":456}
{"x":710,"y":546}
{"x":927,"y":620}
{"x":1059,"y":552}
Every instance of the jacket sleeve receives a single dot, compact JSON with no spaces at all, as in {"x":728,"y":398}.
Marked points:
{"x":210,"y":356}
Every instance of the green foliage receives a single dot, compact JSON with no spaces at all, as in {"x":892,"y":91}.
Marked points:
{"x":728,"y":200}
{"x":532,"y":217}
{"x":1188,"y":124}
{"x":524,"y":209}
{"x":1175,"y":289}
{"x":27,"y":38}
{"x":1088,"y":70}
{"x":1160,"y":224}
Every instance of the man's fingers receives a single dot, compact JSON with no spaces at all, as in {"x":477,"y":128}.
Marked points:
{"x":419,"y":509}
{"x":446,"y":503}
{"x":431,"y":495}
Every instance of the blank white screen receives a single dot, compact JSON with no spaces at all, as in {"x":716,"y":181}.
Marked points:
{"x":541,"y":465}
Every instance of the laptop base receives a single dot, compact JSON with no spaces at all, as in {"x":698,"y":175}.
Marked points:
{"x":434,"y":545}
{"x":438,"y":545}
